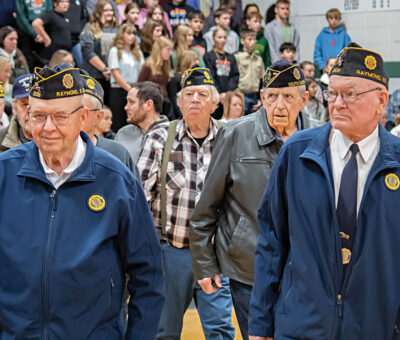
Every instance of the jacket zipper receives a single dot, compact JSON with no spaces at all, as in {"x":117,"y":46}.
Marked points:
{"x":46,"y":265}
{"x":338,"y":301}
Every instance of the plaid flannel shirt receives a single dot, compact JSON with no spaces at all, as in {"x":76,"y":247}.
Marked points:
{"x":187,"y":168}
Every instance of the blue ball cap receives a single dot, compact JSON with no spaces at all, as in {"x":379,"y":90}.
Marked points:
{"x":21,"y":86}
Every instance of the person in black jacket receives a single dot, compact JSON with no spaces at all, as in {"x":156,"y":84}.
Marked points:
{"x":78,"y":17}
{"x":223,"y":68}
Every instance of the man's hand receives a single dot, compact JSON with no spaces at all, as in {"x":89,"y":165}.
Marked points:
{"x":210,"y":285}
{"x":252,"y":337}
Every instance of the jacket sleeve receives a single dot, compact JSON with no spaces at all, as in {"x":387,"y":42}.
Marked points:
{"x":273,"y":42}
{"x":210,"y":61}
{"x":203,"y":224}
{"x":234,"y":74}
{"x":267,"y":55}
{"x":141,"y":258}
{"x":271,"y":252}
{"x":87,"y":44}
{"x":318,"y":59}
{"x":22,"y":19}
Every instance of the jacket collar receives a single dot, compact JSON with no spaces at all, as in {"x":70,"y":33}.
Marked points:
{"x":32,"y":167}
{"x":265,"y":134}
{"x":320,"y":143}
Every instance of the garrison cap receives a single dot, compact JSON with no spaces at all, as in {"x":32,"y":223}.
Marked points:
{"x":92,"y":86}
{"x":21,"y":86}
{"x":197,"y":76}
{"x":62,"y":81}
{"x":355,"y":61}
{"x":1,"y":89}
{"x":283,"y":73}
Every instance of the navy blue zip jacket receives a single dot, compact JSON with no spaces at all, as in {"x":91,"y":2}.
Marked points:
{"x":64,"y":253}
{"x":297,"y":292}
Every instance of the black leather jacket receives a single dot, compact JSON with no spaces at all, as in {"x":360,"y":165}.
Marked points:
{"x":242,"y":159}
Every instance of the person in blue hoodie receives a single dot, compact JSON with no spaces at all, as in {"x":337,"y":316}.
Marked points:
{"x":331,"y":40}
{"x":327,"y":257}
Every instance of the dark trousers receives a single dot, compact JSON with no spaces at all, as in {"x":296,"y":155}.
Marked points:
{"x":241,"y":294}
{"x":31,"y":50}
{"x":117,"y":106}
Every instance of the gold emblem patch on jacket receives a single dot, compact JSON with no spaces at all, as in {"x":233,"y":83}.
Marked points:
{"x":392,"y":181}
{"x":96,"y":203}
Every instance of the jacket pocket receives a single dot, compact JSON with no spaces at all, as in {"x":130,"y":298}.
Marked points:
{"x":175,"y":176}
{"x":243,"y":245}
{"x":255,"y":160}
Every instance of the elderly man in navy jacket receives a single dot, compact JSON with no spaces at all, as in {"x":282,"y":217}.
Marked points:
{"x":327,"y":260}
{"x":73,"y":222}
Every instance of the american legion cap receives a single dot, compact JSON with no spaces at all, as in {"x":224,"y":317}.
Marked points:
{"x":92,"y":86}
{"x":62,"y":81}
{"x":283,"y":73}
{"x":355,"y":61}
{"x":197,"y":76}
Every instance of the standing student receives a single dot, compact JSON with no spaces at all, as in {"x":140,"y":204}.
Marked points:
{"x":279,"y":31}
{"x":331,"y":40}
{"x":151,"y":31}
{"x":132,"y":14}
{"x":196,"y":23}
{"x":96,"y":39}
{"x":143,"y":15}
{"x":222,"y":19}
{"x":157,"y":68}
{"x":124,"y":60}
{"x":223,"y":67}
{"x":156,"y":13}
{"x":183,"y":40}
{"x":251,"y":71}
{"x":54,"y":29}
{"x":261,"y":48}
{"x":314,"y":108}
{"x":29,"y":40}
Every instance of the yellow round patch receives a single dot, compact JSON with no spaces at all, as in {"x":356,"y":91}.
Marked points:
{"x":346,"y":255}
{"x":90,"y":83}
{"x":96,"y":203}
{"x":296,"y":74}
{"x":370,"y":62}
{"x":392,"y":181}
{"x":207,"y":75}
{"x":68,"y":81}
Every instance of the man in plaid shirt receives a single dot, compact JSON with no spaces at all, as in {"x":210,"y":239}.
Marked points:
{"x":187,"y":166}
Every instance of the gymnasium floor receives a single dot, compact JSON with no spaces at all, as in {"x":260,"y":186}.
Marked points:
{"x":192,"y":327}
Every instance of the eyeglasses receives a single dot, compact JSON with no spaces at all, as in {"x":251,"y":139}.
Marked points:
{"x":59,"y":118}
{"x":347,"y":97}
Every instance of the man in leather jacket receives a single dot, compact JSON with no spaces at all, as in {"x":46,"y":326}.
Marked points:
{"x":240,"y":167}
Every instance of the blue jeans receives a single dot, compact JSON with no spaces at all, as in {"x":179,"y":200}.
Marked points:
{"x":77,"y":54}
{"x":250,"y":99}
{"x":215,"y":310}
{"x":241,"y":294}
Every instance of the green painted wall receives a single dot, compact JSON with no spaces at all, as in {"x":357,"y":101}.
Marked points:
{"x":393,"y":69}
